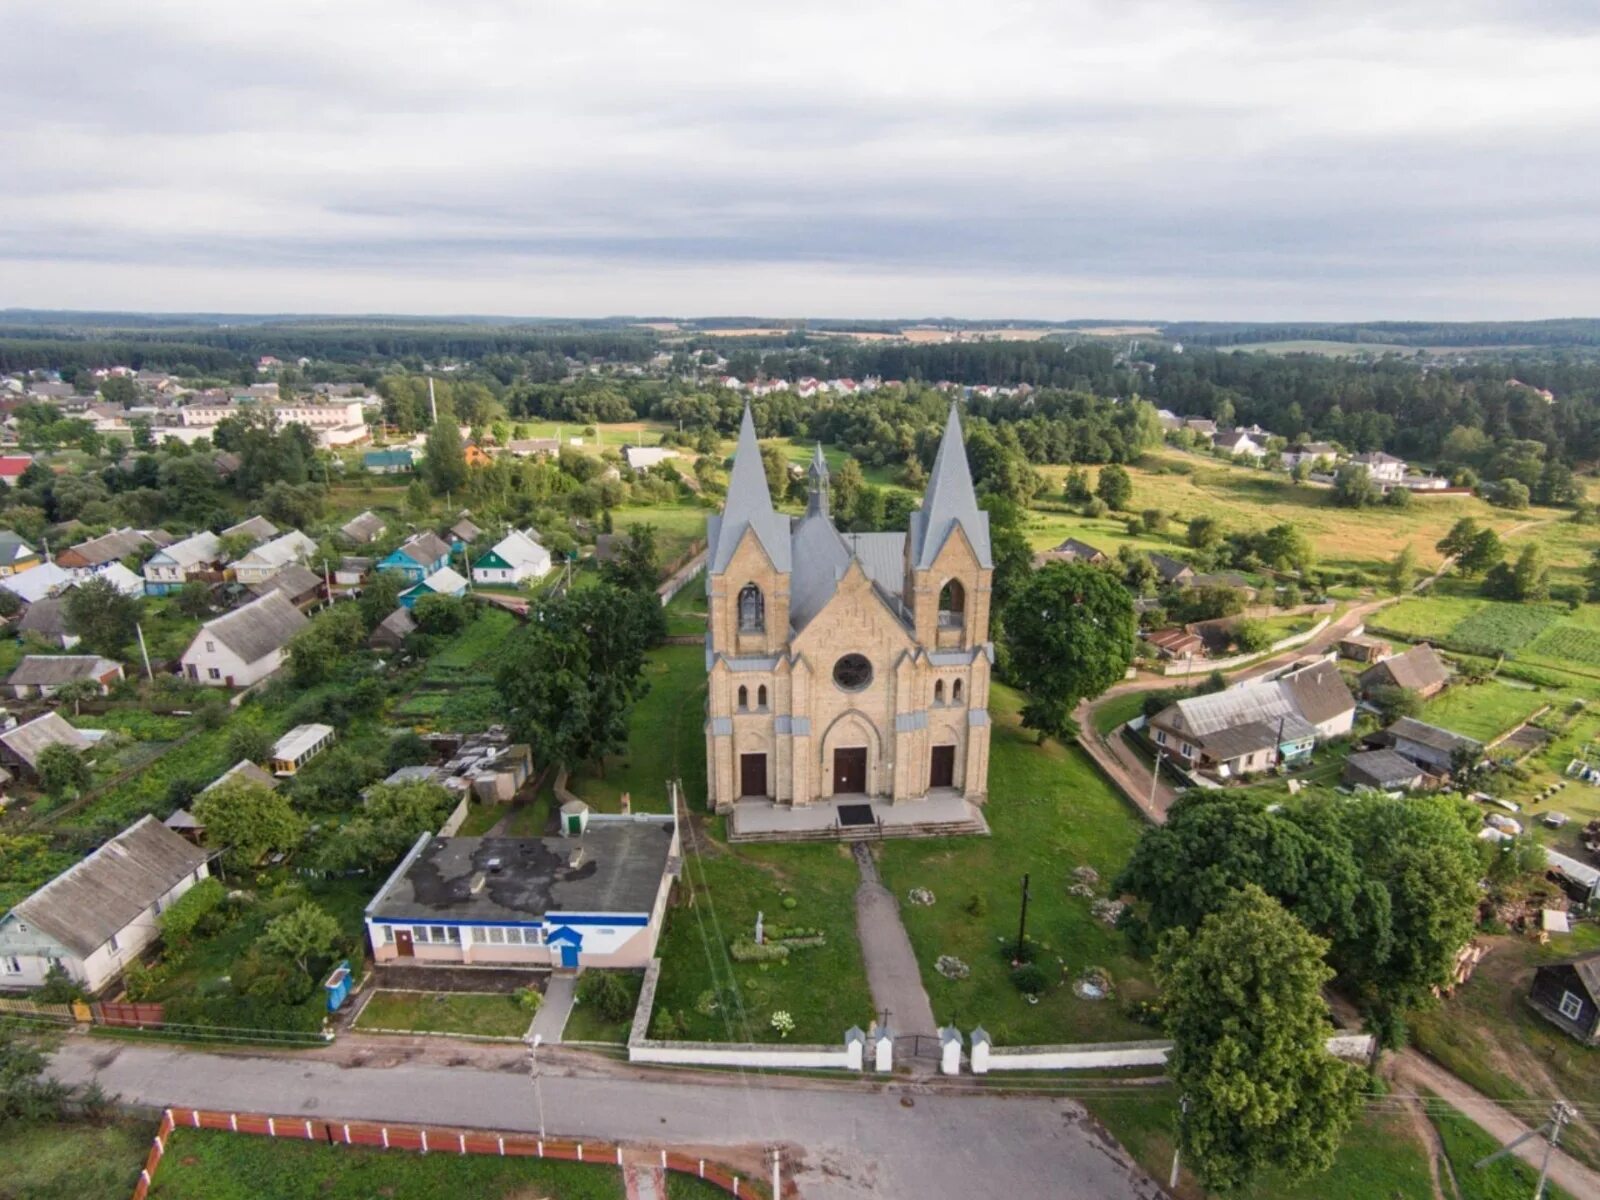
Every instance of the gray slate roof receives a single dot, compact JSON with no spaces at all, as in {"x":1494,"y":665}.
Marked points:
{"x":117,"y":545}
{"x":1318,"y":692}
{"x":255,"y":630}
{"x":86,"y":904}
{"x":1419,"y":667}
{"x":257,"y":527}
{"x":1169,"y":569}
{"x":1312,"y":695}
{"x":243,"y":771}
{"x":296,"y":579}
{"x":364,"y":527}
{"x":28,"y":741}
{"x":950,"y":501}
{"x":425,"y":548}
{"x":47,"y":617}
{"x":749,"y":506}
{"x":1381,"y":769}
{"x":620,"y":873}
{"x":53,"y":670}
{"x":1431,"y":736}
{"x":397,"y":626}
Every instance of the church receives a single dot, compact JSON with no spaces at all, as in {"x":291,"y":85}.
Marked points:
{"x":848,"y":671}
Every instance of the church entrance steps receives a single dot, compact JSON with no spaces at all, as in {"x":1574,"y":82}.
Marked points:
{"x":945,"y":814}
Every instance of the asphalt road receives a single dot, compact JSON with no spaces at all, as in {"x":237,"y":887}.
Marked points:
{"x":849,"y":1144}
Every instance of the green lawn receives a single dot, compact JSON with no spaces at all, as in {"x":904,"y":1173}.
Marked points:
{"x":1049,"y":811}
{"x":1483,"y":710}
{"x":666,"y":741}
{"x":587,"y":1025}
{"x":824,"y":988}
{"x":470,"y":1013}
{"x":1117,"y":711}
{"x":211,"y":1165}
{"x":1381,"y":1158}
{"x":677,"y":524}
{"x":71,"y":1160}
{"x":686,"y":612}
{"x":1465,"y":1144}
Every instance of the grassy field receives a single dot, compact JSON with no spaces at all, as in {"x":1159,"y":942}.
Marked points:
{"x":1049,"y":811}
{"x":1465,"y":1145}
{"x":210,"y":1165}
{"x":1483,"y":710}
{"x":686,"y":612}
{"x":71,"y":1160}
{"x":823,"y":987}
{"x":676,"y":524}
{"x":1488,"y":1035}
{"x":482,"y":1015}
{"x":1381,"y":1158}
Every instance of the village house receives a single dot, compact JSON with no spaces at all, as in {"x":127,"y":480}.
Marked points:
{"x":1309,"y":453}
{"x":267,"y":559}
{"x":1435,"y":749}
{"x":1384,"y":469}
{"x":298,"y":747}
{"x":303,"y":586}
{"x":1360,"y":648}
{"x":101,"y":913}
{"x":243,"y":772}
{"x":1169,"y":570}
{"x":89,"y":558}
{"x":1567,"y":994}
{"x":246,"y":645}
{"x":195,"y":557}
{"x":15,"y":554}
{"x":257,"y":529}
{"x":514,"y":558}
{"x":388,"y":462}
{"x":362,"y":529}
{"x":45,"y":580}
{"x":43,"y":675}
{"x":596,"y":899}
{"x":392,"y":631}
{"x":1253,"y":726}
{"x":1384,"y":770}
{"x":443,"y":582}
{"x":534,"y":447}
{"x":848,"y":667}
{"x":46,"y":621}
{"x":1238,"y":441}
{"x":12,"y":466}
{"x":20,"y":747}
{"x":351,"y":573}
{"x":1176,"y":643}
{"x":1419,"y":670}
{"x":418,"y":557}
{"x":1071,"y":551}
{"x":1201,"y":427}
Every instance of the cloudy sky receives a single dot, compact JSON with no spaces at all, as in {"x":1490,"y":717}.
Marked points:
{"x":1057,"y":159}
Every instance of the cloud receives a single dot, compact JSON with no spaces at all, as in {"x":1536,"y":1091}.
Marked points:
{"x":1426,"y":159}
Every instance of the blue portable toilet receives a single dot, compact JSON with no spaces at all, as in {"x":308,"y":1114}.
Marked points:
{"x":338,"y":986}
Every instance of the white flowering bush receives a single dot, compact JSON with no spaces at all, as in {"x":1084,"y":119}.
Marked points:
{"x":782,"y":1023}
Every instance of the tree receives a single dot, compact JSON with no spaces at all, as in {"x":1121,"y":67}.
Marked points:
{"x":102,"y":616}
{"x":250,"y":820}
{"x":1071,"y":629}
{"x":1203,"y":532}
{"x":1509,"y":493}
{"x":1252,"y":636}
{"x":63,"y":770}
{"x":316,"y":651}
{"x":1528,"y":579}
{"x":776,"y":468}
{"x":119,"y":389}
{"x":1075,"y":490}
{"x":194,"y":599}
{"x":446,"y":463}
{"x":1459,"y":540}
{"x":845,"y":484}
{"x":307,"y":934}
{"x":1481,"y":553}
{"x":1402,"y":569}
{"x":1153,"y":520}
{"x":441,"y":615}
{"x":1244,"y":1008}
{"x":1353,"y":486}
{"x":637,"y":563}
{"x":380,"y":596}
{"x":27,"y":1093}
{"x":249,"y":743}
{"x":1114,"y":486}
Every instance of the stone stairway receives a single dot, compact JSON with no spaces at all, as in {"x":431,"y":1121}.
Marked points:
{"x":864,"y":833}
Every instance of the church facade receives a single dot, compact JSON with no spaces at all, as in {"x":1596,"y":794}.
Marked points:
{"x":847,"y":665}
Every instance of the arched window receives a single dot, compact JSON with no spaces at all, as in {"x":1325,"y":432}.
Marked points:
{"x":952,"y":603}
{"x":752,"y":611}
{"x":938,"y":691}
{"x":761,"y":696}
{"x":955,"y":691}
{"x":744,"y":697}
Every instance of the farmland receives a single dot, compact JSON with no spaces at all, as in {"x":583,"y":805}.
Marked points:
{"x":1501,"y":628}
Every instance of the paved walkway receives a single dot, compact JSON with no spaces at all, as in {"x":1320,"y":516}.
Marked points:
{"x":898,"y":1142}
{"x":644,"y":1182}
{"x":551,"y":1018}
{"x":891,"y":964}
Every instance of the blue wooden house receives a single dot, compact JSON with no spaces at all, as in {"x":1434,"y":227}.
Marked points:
{"x":443,"y":582}
{"x":419,"y":557}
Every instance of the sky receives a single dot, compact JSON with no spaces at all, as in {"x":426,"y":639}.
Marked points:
{"x":1228,"y":159}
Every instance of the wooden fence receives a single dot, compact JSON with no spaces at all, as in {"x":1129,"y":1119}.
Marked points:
{"x":426,"y":1140}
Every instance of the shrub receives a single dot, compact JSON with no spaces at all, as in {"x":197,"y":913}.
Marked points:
{"x":977,"y":905}
{"x":782,"y":1023}
{"x":607,"y":993}
{"x":179,"y":922}
{"x":1028,"y":979}
{"x":529,"y":999}
{"x":58,"y":988}
{"x":746,"y":951}
{"x":1024,"y":951}
{"x":790,"y":903}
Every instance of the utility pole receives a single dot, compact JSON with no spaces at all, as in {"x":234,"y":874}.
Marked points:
{"x":1155,"y":778}
{"x":1022,"y":925}
{"x":1560,"y":1113}
{"x":144,"y":652}
{"x":777,"y":1181}
{"x":1183,"y":1111}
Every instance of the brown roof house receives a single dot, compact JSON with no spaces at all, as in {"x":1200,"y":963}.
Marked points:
{"x":101,"y":913}
{"x":245,"y":645}
{"x":1419,"y":670}
{"x":1567,"y":994}
{"x":1071,"y":551}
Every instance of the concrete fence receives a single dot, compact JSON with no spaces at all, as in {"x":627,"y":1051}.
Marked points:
{"x":985,"y":1058}
{"x":456,"y":817}
{"x":426,"y":1140}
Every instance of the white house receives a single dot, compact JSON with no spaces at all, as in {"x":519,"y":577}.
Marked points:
{"x":169,"y":569}
{"x":515,"y":557}
{"x":268,"y":559}
{"x":238,"y":648}
{"x":1383,"y":468}
{"x":97,"y":916}
{"x":641,"y":458}
{"x":1238,"y":441}
{"x":1308,"y":453}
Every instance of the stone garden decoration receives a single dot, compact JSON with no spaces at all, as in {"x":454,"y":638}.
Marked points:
{"x":920,"y":896}
{"x":951,"y":967}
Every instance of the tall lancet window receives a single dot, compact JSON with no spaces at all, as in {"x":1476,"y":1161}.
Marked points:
{"x":952,"y":604}
{"x":752,"y":611}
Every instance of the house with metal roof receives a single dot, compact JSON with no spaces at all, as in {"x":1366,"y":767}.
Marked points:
{"x":362,"y":529}
{"x":267,"y":559}
{"x":1384,"y":770}
{"x":1429,"y":746}
{"x":101,"y":913}
{"x":46,"y":579}
{"x":515,"y":557}
{"x":43,"y":675}
{"x":245,"y":645}
{"x":443,"y":582}
{"x":418,"y":557}
{"x":388,"y":462}
{"x":594,"y":898}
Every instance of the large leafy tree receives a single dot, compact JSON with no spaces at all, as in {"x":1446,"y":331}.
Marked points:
{"x":1115,"y":486}
{"x":63,"y":770}
{"x":249,"y":820}
{"x":305,"y":935}
{"x":317,"y":650}
{"x":446,"y":463}
{"x":1243,"y":1005}
{"x":102,"y":616}
{"x":1071,"y":631}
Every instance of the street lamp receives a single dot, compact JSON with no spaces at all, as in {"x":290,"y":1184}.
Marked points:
{"x":533,"y":1069}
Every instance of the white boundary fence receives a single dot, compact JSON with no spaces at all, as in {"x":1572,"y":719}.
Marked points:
{"x":1204,"y":666}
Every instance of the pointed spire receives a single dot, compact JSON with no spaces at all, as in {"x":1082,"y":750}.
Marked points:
{"x":749,"y":505}
{"x":817,"y":501}
{"x":950,"y":500}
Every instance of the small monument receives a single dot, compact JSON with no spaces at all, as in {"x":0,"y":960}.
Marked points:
{"x":761,"y":937}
